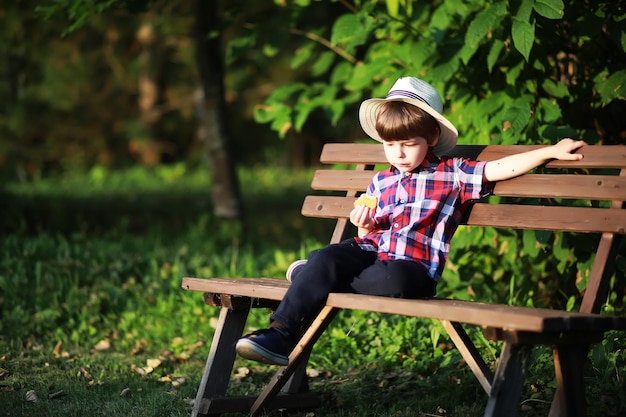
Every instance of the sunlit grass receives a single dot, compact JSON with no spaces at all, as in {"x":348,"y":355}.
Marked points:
{"x":90,"y":272}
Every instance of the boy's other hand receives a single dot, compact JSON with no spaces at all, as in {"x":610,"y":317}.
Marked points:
{"x":362,"y":217}
{"x":564,"y":149}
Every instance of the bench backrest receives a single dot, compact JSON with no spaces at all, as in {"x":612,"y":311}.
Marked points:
{"x":540,"y":200}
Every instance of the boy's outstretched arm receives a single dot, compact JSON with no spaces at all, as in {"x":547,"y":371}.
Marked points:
{"x":514,"y":165}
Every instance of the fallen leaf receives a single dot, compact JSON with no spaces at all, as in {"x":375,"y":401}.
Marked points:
{"x":57,"y":349}
{"x":31,"y":396}
{"x":124,"y":392}
{"x":85,"y":373}
{"x":104,"y":344}
{"x":178,"y":382}
{"x":139,"y":347}
{"x":141,"y":371}
{"x":241,"y":373}
{"x":153,"y":363}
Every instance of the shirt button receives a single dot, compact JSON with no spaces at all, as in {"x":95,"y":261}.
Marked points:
{"x":395,"y":225}
{"x":403,"y":201}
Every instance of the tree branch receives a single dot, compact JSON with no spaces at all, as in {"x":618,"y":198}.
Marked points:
{"x":326,"y":43}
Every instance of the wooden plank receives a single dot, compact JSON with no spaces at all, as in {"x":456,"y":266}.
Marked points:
{"x":583,"y":187}
{"x":267,"y":288}
{"x":219,"y":364}
{"x":571,"y":219}
{"x":481,"y":314}
{"x":470,"y":353}
{"x":508,"y":381}
{"x":605,"y":156}
{"x":570,"y":398}
{"x":569,"y":186}
{"x":341,"y":180}
{"x":299,"y":353}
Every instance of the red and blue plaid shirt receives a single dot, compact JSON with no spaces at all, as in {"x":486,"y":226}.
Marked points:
{"x":419,"y":211}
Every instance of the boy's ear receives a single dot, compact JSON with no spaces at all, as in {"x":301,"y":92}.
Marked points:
{"x":435,"y":138}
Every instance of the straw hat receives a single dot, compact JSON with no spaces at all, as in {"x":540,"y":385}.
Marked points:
{"x":420,"y":94}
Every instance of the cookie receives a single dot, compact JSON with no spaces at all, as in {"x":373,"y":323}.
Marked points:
{"x":366,"y":200}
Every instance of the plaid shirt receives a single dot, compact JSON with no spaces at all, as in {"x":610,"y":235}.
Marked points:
{"x":419,"y":211}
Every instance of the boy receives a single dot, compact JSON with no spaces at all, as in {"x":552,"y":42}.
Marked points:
{"x":402,"y":244}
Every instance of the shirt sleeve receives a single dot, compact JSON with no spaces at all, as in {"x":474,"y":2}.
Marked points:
{"x":471,"y":176}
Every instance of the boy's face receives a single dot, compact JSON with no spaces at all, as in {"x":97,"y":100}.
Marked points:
{"x":406,"y":155}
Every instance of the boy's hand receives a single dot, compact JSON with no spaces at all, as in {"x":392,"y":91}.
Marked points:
{"x":362,"y":217}
{"x":565,"y":148}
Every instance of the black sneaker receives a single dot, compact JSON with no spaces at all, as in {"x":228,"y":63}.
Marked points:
{"x":271,"y":346}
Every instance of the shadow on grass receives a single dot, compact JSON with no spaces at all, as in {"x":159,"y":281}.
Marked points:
{"x":169,"y":213}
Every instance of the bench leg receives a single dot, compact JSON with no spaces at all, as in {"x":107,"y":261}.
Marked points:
{"x":508,"y":381}
{"x":569,"y":399}
{"x":220,"y":361}
{"x":296,"y":359}
{"x":470,"y":353}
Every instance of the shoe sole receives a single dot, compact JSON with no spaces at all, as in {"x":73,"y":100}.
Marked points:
{"x":293,"y":267}
{"x":253,"y":351}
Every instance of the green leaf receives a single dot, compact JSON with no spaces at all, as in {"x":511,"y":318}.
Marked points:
{"x":480,"y":29}
{"x":525,"y":10}
{"x":435,"y":333}
{"x":531,"y":246}
{"x":552,"y":9}
{"x":392,"y":7}
{"x":348,"y":30}
{"x":494,"y":53}
{"x":550,"y":109}
{"x":554,"y":88}
{"x":561,"y":252}
{"x":265,"y":114}
{"x":513,"y":73}
{"x":301,"y":55}
{"x":514,"y":120}
{"x":523,"y":34}
{"x":611,"y":87}
{"x":322,"y":63}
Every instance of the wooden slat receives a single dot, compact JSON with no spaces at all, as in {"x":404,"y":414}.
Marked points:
{"x":266,"y":288}
{"x":608,"y":156}
{"x":327,"y":207}
{"x":592,"y":187}
{"x":585,"y":187}
{"x":341,"y":180}
{"x":481,"y":314}
{"x":571,"y":219}
{"x":470,"y":312}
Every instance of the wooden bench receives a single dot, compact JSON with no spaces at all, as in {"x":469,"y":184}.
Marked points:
{"x":599,"y":177}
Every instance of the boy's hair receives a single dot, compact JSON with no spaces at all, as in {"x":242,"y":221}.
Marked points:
{"x":397,"y":120}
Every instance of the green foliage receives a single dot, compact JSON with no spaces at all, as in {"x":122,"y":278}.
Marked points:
{"x":521,"y":71}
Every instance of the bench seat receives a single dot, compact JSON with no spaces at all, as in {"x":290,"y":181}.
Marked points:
{"x":488,"y":315}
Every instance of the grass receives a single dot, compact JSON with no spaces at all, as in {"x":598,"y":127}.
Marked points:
{"x":94,"y":322}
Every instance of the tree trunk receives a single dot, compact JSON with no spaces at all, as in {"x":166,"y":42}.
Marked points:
{"x":211,"y":110}
{"x":144,"y":144}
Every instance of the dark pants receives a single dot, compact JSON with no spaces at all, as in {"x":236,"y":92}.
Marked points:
{"x":345,"y":267}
